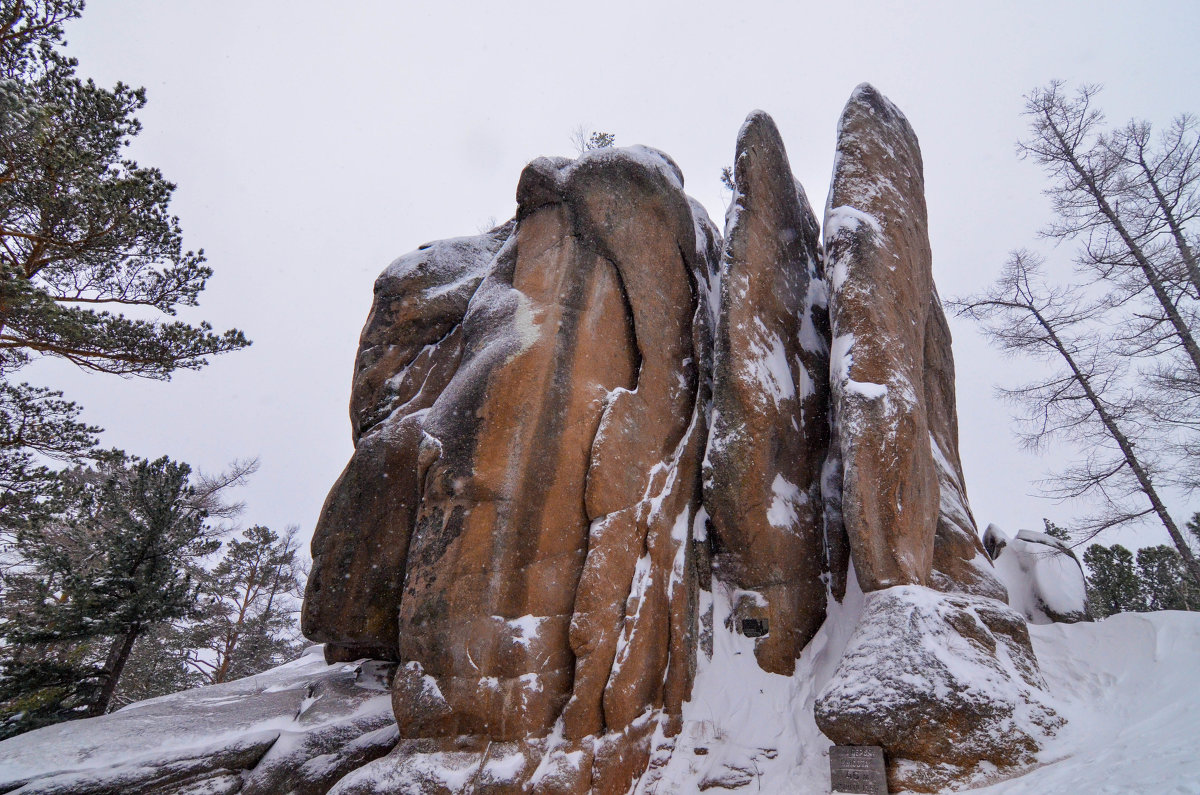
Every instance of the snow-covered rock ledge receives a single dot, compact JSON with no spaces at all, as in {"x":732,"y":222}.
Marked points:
{"x":297,"y":728}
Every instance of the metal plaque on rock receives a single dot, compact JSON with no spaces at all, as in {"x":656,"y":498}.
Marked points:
{"x":857,"y":769}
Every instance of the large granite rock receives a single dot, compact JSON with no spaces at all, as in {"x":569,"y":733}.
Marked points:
{"x":549,"y":577}
{"x":536,"y":507}
{"x":902,"y":502}
{"x":947,"y":683}
{"x":770,"y":427}
{"x":582,"y":588}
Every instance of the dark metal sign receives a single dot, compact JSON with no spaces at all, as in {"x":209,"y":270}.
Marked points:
{"x":754,"y":627}
{"x":857,"y":769}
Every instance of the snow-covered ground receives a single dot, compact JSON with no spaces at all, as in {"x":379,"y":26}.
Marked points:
{"x":1128,"y":686}
{"x":305,"y":721}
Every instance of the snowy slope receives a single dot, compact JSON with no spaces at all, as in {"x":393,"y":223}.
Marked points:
{"x":299,"y":722}
{"x":1128,"y":686}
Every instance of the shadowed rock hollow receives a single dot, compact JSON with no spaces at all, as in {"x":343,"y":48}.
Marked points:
{"x":578,"y":431}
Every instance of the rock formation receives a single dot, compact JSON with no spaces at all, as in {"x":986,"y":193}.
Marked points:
{"x":410,"y":348}
{"x":1044,"y":579}
{"x":903,"y":503}
{"x":537,"y":508}
{"x":892,"y":370}
{"x":770,"y":424}
{"x":610,"y":464}
{"x":548,"y":467}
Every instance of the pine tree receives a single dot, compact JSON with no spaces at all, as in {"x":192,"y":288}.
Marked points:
{"x":159,"y":664}
{"x":601,"y":140}
{"x":585,"y":141}
{"x":85,"y":232}
{"x":1054,"y":531}
{"x":252,"y":597}
{"x":35,"y":424}
{"x":1113,"y":585}
{"x":1164,"y":581}
{"x":121,"y":560}
{"x":1193,"y":527}
{"x":81,"y":227}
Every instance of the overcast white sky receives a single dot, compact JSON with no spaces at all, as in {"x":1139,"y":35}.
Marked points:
{"x":313,"y":142}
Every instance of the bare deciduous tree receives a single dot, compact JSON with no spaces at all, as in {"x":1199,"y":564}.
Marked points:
{"x":1125,"y":386}
{"x":1084,"y":399}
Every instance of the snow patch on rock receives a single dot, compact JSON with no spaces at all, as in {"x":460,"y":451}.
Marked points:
{"x":748,"y":730}
{"x":767,"y":365}
{"x":786,"y":498}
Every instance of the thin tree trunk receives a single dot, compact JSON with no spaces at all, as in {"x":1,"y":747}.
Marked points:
{"x":1189,"y":256}
{"x":118,"y":655}
{"x":235,"y":633}
{"x":1145,"y":484}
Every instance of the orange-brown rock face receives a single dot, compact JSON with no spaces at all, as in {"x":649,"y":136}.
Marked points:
{"x":554,"y":479}
{"x":903,"y":503}
{"x":536,"y":509}
{"x":959,"y":561}
{"x":409,"y":350}
{"x":939,"y":680}
{"x":770,"y":426}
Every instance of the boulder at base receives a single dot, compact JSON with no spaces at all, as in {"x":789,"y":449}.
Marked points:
{"x":947,"y":683}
